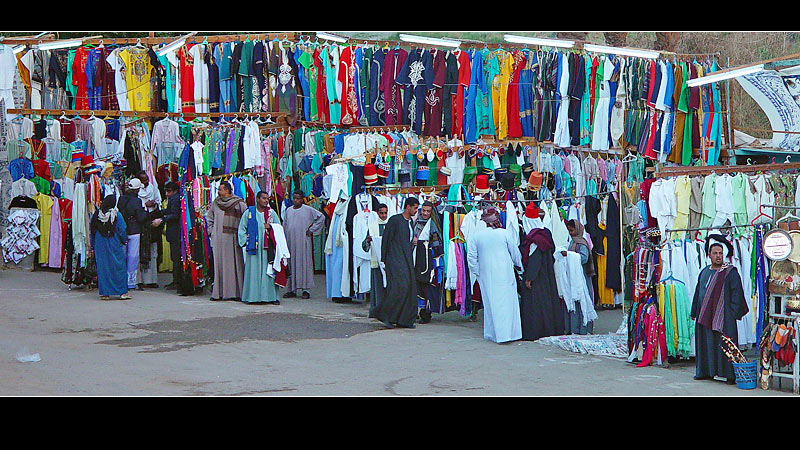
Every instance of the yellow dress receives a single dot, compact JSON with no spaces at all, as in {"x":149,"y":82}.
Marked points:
{"x":166,"y":260}
{"x":683,"y":190}
{"x":606,"y":294}
{"x":45,"y":205}
{"x":137,"y":77}
{"x":500,"y":94}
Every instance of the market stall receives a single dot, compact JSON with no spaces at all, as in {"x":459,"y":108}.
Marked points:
{"x":583,"y":135}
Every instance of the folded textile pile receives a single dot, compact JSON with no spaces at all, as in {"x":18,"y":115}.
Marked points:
{"x":21,"y":235}
{"x":614,"y":345}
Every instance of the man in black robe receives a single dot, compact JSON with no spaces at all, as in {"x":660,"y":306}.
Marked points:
{"x":399,"y":306}
{"x":718,"y":303}
{"x":540,"y":308}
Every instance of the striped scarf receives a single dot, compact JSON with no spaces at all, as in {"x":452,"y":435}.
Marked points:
{"x":712,"y":310}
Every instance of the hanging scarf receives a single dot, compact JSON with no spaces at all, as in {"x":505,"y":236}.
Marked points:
{"x":712,"y":310}
{"x":538,"y":237}
{"x":252,"y":230}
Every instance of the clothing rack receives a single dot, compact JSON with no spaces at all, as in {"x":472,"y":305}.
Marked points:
{"x":549,"y":199}
{"x":229,"y":175}
{"x":408,"y":189}
{"x":381,"y":127}
{"x":192,"y":39}
{"x":722,"y":227}
{"x":325,"y":125}
{"x":707,"y":170}
{"x":104,"y":112}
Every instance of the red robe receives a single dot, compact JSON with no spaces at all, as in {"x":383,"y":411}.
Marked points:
{"x":464,"y":72}
{"x":346,"y":76}
{"x":79,"y":77}
{"x":514,"y":122}
{"x":187,"y":79}
{"x":323,"y":111}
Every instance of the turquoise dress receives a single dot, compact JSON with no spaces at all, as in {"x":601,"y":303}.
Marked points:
{"x":258,"y":285}
{"x":483,"y":95}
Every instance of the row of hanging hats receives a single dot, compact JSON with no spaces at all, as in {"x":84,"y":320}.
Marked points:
{"x":512,"y":177}
{"x":471,"y":151}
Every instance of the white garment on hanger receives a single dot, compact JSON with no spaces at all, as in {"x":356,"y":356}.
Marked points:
{"x":562,"y":137}
{"x":619,"y":108}
{"x":23,"y":187}
{"x":724,"y":201}
{"x":601,"y":113}
{"x":197,"y":147}
{"x":8,"y":68}
{"x":252,"y":145}
{"x":120,"y":86}
{"x":662,"y":203}
{"x":200,"y":72}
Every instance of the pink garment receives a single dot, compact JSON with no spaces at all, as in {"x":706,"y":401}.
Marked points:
{"x":151,"y":175}
{"x":54,"y":253}
{"x":196,"y":193}
{"x":459,"y":294}
{"x":656,"y":340}
{"x":165,"y":131}
{"x":566,"y":164}
{"x":601,"y":168}
{"x":265,"y":159}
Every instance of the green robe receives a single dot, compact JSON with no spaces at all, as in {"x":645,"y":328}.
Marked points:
{"x":258,"y":285}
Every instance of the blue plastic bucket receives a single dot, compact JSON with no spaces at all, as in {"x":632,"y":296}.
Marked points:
{"x":746,"y":374}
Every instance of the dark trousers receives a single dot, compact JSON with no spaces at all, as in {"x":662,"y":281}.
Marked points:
{"x":177,"y":265}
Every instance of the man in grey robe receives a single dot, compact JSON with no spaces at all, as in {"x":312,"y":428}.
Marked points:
{"x":301,"y":222}
{"x":223,"y":226}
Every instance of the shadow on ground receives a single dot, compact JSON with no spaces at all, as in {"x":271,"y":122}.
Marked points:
{"x":172,"y":335}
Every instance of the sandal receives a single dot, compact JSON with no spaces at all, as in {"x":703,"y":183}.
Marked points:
{"x":125,"y":297}
{"x":105,"y":297}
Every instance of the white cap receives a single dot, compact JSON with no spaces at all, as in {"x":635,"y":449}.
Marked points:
{"x":135,"y":183}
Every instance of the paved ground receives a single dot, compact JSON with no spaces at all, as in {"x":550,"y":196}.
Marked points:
{"x":162,"y":344}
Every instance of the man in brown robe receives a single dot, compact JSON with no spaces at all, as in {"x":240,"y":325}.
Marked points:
{"x":300,"y":223}
{"x":223,"y":227}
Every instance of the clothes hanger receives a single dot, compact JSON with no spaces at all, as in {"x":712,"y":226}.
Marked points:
{"x":760,"y":213}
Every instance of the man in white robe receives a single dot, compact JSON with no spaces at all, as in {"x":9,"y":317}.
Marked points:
{"x":492,"y":258}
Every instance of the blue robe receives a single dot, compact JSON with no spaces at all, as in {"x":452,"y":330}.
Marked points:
{"x":109,"y":253}
{"x":333,"y":266}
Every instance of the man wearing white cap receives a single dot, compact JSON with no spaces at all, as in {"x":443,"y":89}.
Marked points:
{"x":135,"y":218}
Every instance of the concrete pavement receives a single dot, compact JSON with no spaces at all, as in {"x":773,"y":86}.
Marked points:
{"x":159,"y":343}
